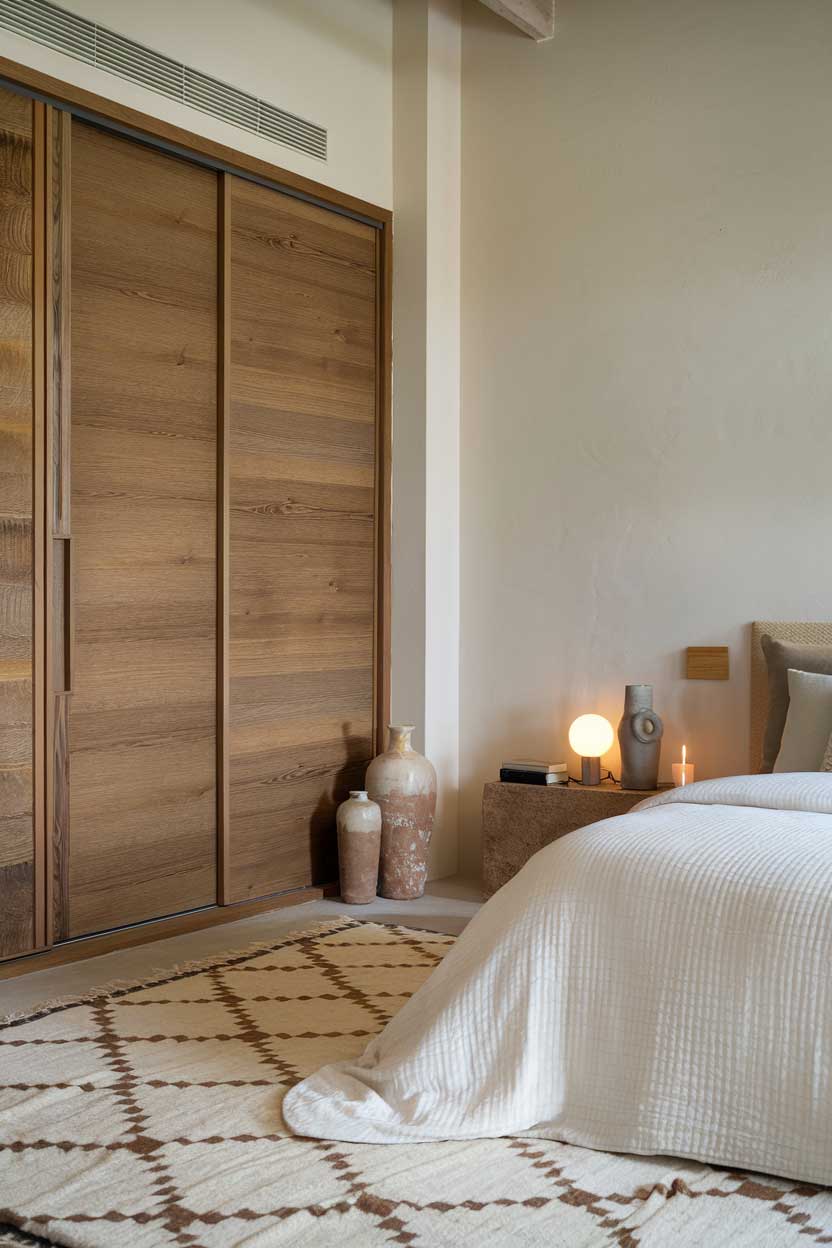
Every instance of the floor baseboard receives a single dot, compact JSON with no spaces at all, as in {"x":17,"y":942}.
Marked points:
{"x":158,"y":929}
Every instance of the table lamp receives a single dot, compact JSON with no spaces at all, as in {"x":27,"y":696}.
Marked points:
{"x":591,"y":736}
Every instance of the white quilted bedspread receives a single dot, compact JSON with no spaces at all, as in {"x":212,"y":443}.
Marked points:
{"x":660,"y":982}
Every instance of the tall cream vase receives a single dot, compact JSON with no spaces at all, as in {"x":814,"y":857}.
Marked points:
{"x":403,"y":783}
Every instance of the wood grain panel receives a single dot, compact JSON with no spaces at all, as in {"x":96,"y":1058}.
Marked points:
{"x":708,"y":663}
{"x":384,"y":477}
{"x":57,"y":358}
{"x":39,"y":161}
{"x":223,"y":540}
{"x":303,"y":487}
{"x":142,"y":713}
{"x":17,"y":562}
{"x":59,"y":820}
{"x":60,"y":294}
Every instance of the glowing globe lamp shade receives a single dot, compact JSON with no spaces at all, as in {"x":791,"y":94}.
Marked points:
{"x":591,"y":736}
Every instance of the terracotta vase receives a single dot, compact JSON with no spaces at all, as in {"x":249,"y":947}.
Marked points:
{"x":403,"y":783}
{"x":359,"y":844}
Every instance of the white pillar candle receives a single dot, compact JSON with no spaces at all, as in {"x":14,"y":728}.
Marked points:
{"x":683,"y":773}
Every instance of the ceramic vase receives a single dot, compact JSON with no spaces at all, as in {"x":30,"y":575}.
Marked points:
{"x":640,"y":738}
{"x":359,"y":845}
{"x":403,"y":783}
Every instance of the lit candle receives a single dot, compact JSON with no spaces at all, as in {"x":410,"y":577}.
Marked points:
{"x":683,"y":772}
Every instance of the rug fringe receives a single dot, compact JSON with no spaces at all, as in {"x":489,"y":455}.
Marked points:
{"x":115,"y":987}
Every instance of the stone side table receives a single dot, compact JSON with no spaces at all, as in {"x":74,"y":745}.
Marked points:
{"x":519,"y":819}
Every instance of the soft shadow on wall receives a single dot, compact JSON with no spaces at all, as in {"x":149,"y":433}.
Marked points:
{"x":646,"y":372}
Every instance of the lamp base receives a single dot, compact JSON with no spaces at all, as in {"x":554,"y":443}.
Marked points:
{"x":590,"y":771}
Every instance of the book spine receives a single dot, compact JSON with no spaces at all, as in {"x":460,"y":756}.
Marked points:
{"x":509,"y":776}
{"x":547,"y":769}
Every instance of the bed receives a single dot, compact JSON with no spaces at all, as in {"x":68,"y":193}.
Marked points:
{"x":654,"y":983}
{"x":797,"y":632}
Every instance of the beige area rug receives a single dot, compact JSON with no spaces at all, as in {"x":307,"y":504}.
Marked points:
{"x":150,"y":1115}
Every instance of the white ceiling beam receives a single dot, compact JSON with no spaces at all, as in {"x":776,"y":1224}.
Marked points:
{"x":536,"y":18}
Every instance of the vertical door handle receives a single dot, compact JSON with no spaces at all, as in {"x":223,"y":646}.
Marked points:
{"x":64,"y":645}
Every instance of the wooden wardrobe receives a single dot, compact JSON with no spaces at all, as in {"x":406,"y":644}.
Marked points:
{"x":193,"y":527}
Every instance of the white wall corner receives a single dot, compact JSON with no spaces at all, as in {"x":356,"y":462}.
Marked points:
{"x":426,"y":393}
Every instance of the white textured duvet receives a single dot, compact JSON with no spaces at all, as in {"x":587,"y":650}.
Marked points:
{"x":660,"y":982}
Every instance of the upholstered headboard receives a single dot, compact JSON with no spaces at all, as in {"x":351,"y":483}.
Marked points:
{"x":806,"y":634}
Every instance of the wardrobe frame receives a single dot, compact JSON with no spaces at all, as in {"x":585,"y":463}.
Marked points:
{"x":53,"y":99}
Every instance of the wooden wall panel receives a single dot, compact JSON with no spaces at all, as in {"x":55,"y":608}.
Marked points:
{"x":60,"y":293}
{"x":142,"y":712}
{"x":302,"y":532}
{"x":17,"y":555}
{"x":58,"y":360}
{"x":223,"y":539}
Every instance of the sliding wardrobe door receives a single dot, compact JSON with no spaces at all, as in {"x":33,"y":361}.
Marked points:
{"x":143,"y":598}
{"x":301,"y":452}
{"x":19,"y":438}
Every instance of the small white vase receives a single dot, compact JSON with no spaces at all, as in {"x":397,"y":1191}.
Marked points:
{"x":359,"y":844}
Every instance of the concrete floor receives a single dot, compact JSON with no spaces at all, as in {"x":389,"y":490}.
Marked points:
{"x":446,"y":907}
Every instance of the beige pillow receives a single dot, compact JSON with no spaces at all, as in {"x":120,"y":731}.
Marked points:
{"x":826,"y":765}
{"x":808,"y":722}
{"x":780,"y":656}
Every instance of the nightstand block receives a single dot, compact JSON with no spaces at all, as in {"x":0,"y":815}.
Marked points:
{"x":519,"y":819}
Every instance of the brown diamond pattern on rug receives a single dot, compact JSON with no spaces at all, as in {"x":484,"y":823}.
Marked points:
{"x":150,"y":1116}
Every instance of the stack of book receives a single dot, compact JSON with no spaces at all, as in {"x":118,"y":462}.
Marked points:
{"x":529,"y":772}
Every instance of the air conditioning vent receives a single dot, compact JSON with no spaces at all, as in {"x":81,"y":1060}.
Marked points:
{"x":87,"y":41}
{"x":211,"y":96}
{"x":129,"y":60}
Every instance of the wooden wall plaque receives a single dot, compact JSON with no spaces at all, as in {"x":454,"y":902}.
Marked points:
{"x":708,"y":663}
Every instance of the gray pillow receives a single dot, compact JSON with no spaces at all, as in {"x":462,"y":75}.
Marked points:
{"x":780,"y":656}
{"x":808,"y":723}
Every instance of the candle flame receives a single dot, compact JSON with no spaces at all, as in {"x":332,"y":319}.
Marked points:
{"x":684,"y":754}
